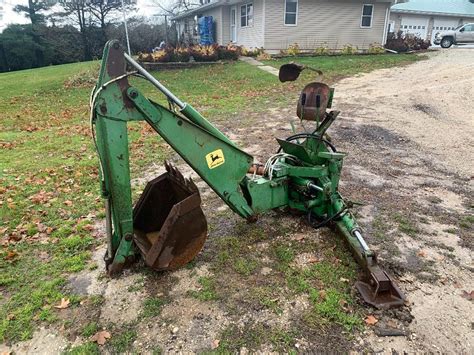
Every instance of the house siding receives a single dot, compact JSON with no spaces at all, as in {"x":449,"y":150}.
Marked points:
{"x":320,"y":22}
{"x":225,"y":25}
{"x":216,"y":14}
{"x":251,"y":36}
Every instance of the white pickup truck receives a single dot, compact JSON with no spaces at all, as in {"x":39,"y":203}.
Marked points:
{"x":461,"y":35}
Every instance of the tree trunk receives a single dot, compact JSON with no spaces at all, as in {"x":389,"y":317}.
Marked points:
{"x":32,"y":12}
{"x":84,"y":37}
{"x":103,"y":28}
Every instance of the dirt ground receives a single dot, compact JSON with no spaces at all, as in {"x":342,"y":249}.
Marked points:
{"x":409,"y":134}
{"x":421,"y":121}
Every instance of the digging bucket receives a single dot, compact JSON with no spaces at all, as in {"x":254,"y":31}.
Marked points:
{"x":169,"y":225}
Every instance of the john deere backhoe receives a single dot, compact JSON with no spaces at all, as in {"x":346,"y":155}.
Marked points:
{"x":167,"y":226}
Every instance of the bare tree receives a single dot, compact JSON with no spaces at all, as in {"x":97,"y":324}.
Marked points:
{"x":176,"y":7}
{"x":104,"y":10}
{"x":78,"y":13}
{"x":34,"y":10}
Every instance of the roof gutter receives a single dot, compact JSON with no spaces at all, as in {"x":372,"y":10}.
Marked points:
{"x":431,"y":13}
{"x":191,"y":12}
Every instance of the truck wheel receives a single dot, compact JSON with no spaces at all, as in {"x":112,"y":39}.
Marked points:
{"x":446,"y":42}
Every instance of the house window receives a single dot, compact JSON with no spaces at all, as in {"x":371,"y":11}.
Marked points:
{"x":367,"y":13}
{"x":291,"y":12}
{"x":246,"y":15}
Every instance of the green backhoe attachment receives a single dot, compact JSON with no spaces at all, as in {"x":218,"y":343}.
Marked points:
{"x":167,"y":225}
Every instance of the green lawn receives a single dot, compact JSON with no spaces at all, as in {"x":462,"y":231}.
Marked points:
{"x":335,"y":67}
{"x":48,"y":168}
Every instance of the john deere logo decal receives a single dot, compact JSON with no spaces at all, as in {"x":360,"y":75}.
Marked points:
{"x":215,"y":159}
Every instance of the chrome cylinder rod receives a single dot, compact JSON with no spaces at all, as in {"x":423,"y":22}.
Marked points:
{"x":155,"y":82}
{"x":361,"y":240}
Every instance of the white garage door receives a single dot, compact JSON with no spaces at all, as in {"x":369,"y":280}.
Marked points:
{"x":444,"y":24}
{"x":417,"y":26}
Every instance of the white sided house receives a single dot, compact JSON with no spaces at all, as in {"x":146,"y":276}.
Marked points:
{"x":276,"y":24}
{"x":424,"y":18}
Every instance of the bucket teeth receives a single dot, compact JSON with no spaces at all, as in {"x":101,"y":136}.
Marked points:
{"x":176,"y":174}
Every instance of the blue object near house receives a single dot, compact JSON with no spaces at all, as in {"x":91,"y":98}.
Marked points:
{"x":206,"y":30}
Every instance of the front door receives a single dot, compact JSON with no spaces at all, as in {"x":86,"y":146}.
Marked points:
{"x":233,"y":24}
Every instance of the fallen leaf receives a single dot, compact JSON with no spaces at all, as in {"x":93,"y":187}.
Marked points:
{"x":101,"y":337}
{"x":6,"y":352}
{"x":68,"y":203}
{"x":313,"y":260}
{"x":299,"y":237}
{"x":322,"y":294}
{"x":63,"y":304}
{"x":11,"y":254}
{"x":392,"y":324}
{"x":371,"y":320}
{"x":215,"y":344}
{"x":421,"y":253}
{"x":342,"y":279}
{"x":468,"y":295}
{"x":343,"y":304}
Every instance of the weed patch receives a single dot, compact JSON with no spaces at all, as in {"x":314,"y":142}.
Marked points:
{"x":207,"y":291}
{"x":152,"y":307}
{"x":406,"y":225}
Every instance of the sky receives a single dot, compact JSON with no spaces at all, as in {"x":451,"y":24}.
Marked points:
{"x":145,"y":8}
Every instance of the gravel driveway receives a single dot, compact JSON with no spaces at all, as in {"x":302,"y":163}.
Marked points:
{"x":415,"y":125}
{"x":431,"y":102}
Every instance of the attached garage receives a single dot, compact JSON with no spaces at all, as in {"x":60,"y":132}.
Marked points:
{"x":444,"y":24}
{"x":424,"y":18}
{"x":416,"y":25}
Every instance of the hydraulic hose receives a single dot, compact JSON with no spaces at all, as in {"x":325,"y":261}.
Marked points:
{"x":310,"y":135}
{"x":326,"y":221}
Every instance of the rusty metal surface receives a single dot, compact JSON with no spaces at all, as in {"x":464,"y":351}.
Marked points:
{"x":380,"y":291}
{"x":169,"y":224}
{"x":116,"y":66}
{"x":257,"y":169}
{"x":313,"y":102}
{"x":290,"y":72}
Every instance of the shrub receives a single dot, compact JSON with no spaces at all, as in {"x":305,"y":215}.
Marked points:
{"x":161,"y":56}
{"x":145,"y":57}
{"x":179,"y":54}
{"x":401,"y":42}
{"x":205,"y":53}
{"x":252,"y":52}
{"x":293,"y":49}
{"x":349,"y":50}
{"x":229,"y":52}
{"x":264,"y":56}
{"x":323,"y":50}
{"x":376,"y":48}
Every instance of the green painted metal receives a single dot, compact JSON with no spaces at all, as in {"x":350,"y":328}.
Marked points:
{"x":196,"y":146}
{"x":305,"y":177}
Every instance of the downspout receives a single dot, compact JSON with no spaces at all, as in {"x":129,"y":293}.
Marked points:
{"x":263,"y":23}
{"x":385,"y":27}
